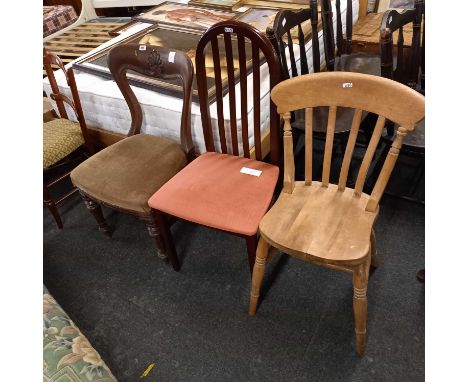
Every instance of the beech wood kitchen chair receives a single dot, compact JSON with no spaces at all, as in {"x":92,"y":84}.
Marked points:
{"x":123,"y":176}
{"x":331,"y":224}
{"x":212,"y":190}
{"x":65,"y":143}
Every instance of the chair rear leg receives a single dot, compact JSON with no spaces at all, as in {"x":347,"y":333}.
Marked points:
{"x":96,"y":211}
{"x":360,"y":279}
{"x":258,"y":273}
{"x":164,"y":236}
{"x":50,"y":204}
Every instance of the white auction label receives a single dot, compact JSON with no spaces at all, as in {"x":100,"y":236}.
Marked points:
{"x":142,"y":47}
{"x":171,"y":57}
{"x":250,"y":171}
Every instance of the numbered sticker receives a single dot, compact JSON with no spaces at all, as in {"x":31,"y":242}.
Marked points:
{"x":228,"y":30}
{"x":347,"y":85}
{"x":142,"y":47}
{"x":171,"y":56}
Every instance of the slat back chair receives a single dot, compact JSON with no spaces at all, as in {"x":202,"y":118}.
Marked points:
{"x":62,"y":137}
{"x":409,"y":71}
{"x":234,"y":37}
{"x":331,"y":224}
{"x":336,"y":45}
{"x":124,"y":175}
{"x":288,"y":30}
{"x":227,"y":199}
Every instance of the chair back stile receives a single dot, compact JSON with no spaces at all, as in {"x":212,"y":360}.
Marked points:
{"x":60,"y":98}
{"x":236,"y":36}
{"x":157,"y":62}
{"x":358,"y":91}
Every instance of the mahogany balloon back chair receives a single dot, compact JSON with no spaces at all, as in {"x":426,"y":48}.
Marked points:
{"x":65,"y":143}
{"x":213,"y":190}
{"x":331,"y":224}
{"x":123,"y":176}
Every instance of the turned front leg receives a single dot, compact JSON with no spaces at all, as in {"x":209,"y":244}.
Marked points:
{"x":96,"y":211}
{"x":360,"y":278}
{"x":258,"y":273}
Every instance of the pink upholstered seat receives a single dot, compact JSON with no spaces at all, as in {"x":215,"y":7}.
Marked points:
{"x":213,"y":192}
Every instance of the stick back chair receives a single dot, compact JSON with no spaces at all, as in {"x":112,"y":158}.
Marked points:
{"x":331,"y":224}
{"x":338,"y":52}
{"x":123,"y":176}
{"x":65,"y":143}
{"x":407,"y":68}
{"x":212,"y":190}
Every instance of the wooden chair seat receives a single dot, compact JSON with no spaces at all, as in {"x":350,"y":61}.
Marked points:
{"x":127,"y":173}
{"x":60,"y":138}
{"x":212,"y":191}
{"x":320,"y":223}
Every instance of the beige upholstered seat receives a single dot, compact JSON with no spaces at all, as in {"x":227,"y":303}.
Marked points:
{"x":60,"y":138}
{"x":127,"y":173}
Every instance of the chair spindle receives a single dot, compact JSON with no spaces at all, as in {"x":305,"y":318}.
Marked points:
{"x":308,"y":145}
{"x":315,"y":40}
{"x":292,"y":57}
{"x":349,"y":149}
{"x":289,"y":178}
{"x":219,"y":92}
{"x":256,"y":101}
{"x":374,"y":141}
{"x":243,"y":100}
{"x":327,"y":156}
{"x":232,"y":93}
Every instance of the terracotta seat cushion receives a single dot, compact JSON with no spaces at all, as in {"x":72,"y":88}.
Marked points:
{"x":212,"y":191}
{"x":127,"y":173}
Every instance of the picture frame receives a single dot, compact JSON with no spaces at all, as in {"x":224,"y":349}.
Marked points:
{"x":277,"y":4}
{"x":167,"y":36}
{"x":184,"y":16}
{"x":259,"y":17}
{"x":227,"y":5}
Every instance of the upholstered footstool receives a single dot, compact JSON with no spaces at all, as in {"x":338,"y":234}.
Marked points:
{"x":68,"y":356}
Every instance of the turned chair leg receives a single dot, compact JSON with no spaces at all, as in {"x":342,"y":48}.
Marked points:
{"x":375,"y":261}
{"x":360,"y":279}
{"x":167,"y":250}
{"x":251,"y":242}
{"x":96,"y":211}
{"x":50,"y":204}
{"x":258,"y":273}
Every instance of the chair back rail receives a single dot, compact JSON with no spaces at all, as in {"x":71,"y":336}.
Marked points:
{"x":234,"y":37}
{"x":288,"y":26}
{"x":49,"y":60}
{"x":386,"y":98}
{"x":408,"y":71}
{"x":156,"y":62}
